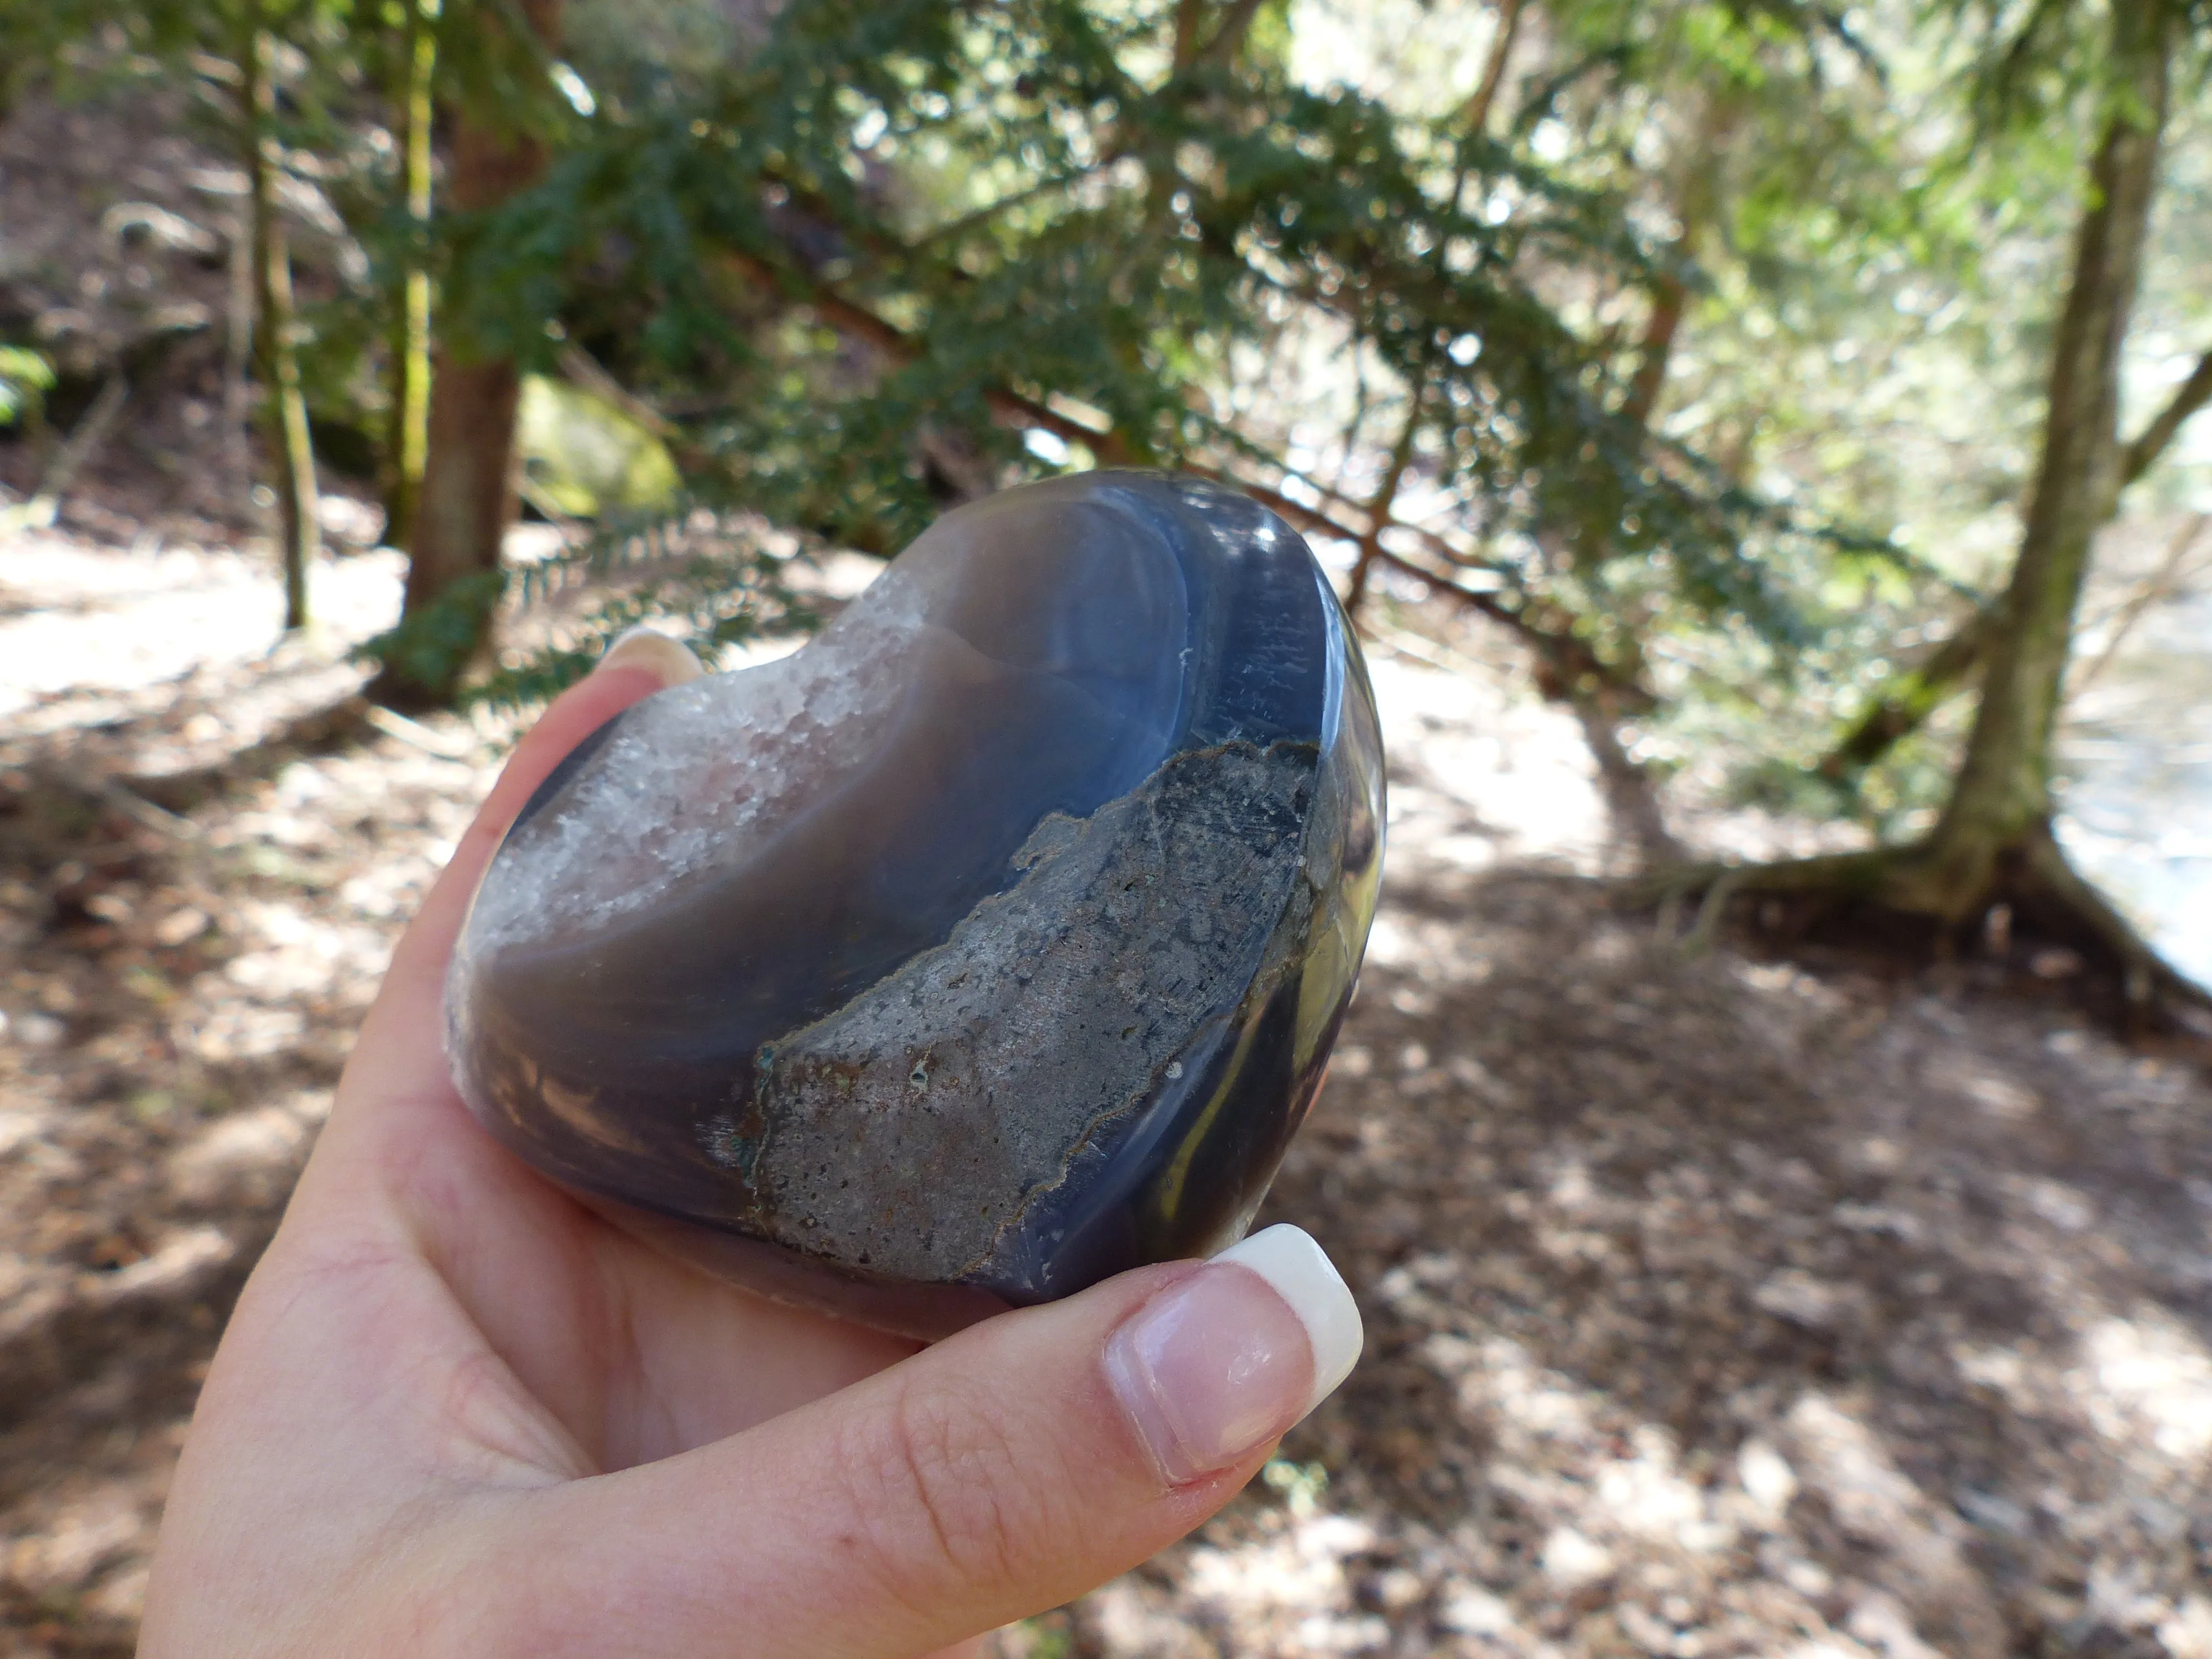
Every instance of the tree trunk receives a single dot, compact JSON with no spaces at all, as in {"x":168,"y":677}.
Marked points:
{"x":1994,"y":844}
{"x":1475,"y":117}
{"x":407,"y":417}
{"x":1632,"y":789}
{"x":1902,"y":705}
{"x":2002,"y":798}
{"x":276,"y":349}
{"x":1631,"y":795}
{"x":1386,"y":497}
{"x":468,"y":495}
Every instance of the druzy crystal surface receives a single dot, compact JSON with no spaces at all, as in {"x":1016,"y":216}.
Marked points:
{"x":991,"y":944}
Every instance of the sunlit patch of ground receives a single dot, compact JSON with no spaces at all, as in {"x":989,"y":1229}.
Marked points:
{"x":1715,"y":1306}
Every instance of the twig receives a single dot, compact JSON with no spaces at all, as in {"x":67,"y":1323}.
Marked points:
{"x":2191,"y":395}
{"x":1699,"y":939}
{"x":1386,"y":494}
{"x":237,"y":350}
{"x":1419,"y":648}
{"x":540,"y":498}
{"x":98,"y":422}
{"x":139,"y":809}
{"x":1475,"y":117}
{"x":45,"y":505}
{"x":2162,"y":586}
{"x":415,"y":733}
{"x":887,"y":337}
{"x":589,"y":375}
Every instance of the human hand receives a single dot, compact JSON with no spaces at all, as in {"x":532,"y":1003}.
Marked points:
{"x":458,"y":1412}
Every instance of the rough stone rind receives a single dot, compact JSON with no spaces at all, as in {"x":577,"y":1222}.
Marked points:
{"x":982,"y":1067}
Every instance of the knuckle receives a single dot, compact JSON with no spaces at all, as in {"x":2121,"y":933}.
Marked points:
{"x":943,"y":1499}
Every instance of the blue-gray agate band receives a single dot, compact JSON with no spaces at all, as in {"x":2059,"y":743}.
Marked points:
{"x":996,"y":939}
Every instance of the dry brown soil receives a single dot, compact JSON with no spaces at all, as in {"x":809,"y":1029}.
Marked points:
{"x":1715,"y":1306}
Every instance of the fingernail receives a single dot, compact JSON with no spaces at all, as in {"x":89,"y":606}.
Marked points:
{"x":645,"y":648}
{"x":1228,"y":1358}
{"x":1303,"y":1275}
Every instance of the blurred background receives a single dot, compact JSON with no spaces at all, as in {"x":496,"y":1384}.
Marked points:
{"x":1754,"y":438}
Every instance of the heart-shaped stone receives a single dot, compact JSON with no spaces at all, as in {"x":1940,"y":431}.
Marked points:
{"x":991,"y":944}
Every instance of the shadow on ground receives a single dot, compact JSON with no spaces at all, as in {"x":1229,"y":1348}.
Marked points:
{"x":1715,"y":1306}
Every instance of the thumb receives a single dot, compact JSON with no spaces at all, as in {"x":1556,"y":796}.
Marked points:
{"x":1005,"y":1471}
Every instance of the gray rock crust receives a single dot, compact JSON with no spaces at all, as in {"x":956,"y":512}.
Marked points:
{"x":909,"y":1130}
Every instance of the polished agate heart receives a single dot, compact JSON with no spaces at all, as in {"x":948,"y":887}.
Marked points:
{"x":991,"y":944}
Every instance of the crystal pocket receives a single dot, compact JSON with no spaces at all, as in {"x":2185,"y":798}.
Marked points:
{"x":990,"y":945}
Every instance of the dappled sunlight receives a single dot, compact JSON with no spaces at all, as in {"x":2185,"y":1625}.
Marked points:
{"x":1740,"y":434}
{"x":2146,"y":1385}
{"x":106,"y":624}
{"x":1717,"y":1306}
{"x":1501,"y":775}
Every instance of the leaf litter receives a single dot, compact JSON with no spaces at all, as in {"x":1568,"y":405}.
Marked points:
{"x":1715,"y":1305}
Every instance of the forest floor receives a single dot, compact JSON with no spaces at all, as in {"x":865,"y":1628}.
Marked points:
{"x":1715,"y":1305}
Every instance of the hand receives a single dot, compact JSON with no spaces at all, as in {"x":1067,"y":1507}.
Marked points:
{"x":456,"y":1412}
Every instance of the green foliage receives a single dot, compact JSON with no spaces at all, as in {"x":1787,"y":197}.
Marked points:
{"x":864,"y":260}
{"x":897,"y":233}
{"x":712,"y":581}
{"x":26,"y":377}
{"x":581,"y":455}
{"x":1301,"y":1485}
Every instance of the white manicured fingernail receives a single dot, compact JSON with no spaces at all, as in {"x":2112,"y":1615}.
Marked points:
{"x":643,"y":647}
{"x":1304,"y":1276}
{"x":1224,"y":1360}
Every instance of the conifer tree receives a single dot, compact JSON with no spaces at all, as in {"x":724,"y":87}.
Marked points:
{"x":898,"y":253}
{"x":460,"y":511}
{"x":1993,"y":844}
{"x":275,"y":348}
{"x":407,"y":414}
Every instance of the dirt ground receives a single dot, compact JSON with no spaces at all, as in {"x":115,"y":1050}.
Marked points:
{"x":123,"y":258}
{"x":1715,"y":1305}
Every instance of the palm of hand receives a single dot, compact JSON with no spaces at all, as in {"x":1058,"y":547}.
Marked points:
{"x":468,"y":1328}
{"x":456,"y":1412}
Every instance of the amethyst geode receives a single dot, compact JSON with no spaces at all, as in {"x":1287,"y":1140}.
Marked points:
{"x":991,"y":944}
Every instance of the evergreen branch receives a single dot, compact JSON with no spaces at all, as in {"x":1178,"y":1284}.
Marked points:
{"x":1568,"y":668}
{"x":1229,"y":38}
{"x":1571,"y":662}
{"x":2165,"y":583}
{"x":1474,"y":116}
{"x":887,"y":337}
{"x":954,"y":228}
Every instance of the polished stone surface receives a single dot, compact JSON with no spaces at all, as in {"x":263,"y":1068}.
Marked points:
{"x":991,"y":944}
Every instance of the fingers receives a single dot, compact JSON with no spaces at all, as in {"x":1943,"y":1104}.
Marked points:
{"x":1005,"y":1471}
